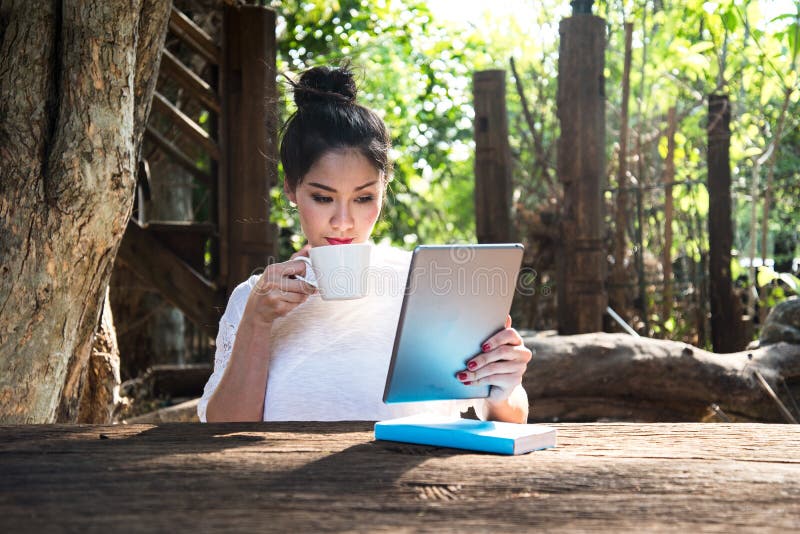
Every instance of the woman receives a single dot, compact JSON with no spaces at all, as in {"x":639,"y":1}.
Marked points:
{"x":285,"y":354}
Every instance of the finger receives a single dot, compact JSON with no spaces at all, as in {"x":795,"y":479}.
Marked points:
{"x":266,"y":285}
{"x":292,"y":285}
{"x":508,"y":321}
{"x":291,"y":297}
{"x":503,"y":352}
{"x":495,"y":368}
{"x":507,"y":336}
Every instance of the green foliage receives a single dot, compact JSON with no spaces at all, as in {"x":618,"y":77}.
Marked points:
{"x":418,"y":78}
{"x":416,"y":71}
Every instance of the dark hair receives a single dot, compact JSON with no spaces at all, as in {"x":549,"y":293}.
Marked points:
{"x":328,"y":118}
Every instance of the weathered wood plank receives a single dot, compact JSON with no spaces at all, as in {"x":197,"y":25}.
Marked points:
{"x":194,"y":36}
{"x":197,"y":87}
{"x":185,"y":124}
{"x":333,"y":477}
{"x":172,"y":151}
{"x":186,"y":239}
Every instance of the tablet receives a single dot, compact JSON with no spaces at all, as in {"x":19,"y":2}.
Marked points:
{"x":456,"y":297}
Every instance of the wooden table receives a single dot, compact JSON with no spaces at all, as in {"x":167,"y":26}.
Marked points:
{"x":294,"y":477}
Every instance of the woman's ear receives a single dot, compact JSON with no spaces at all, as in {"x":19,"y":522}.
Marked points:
{"x":291,"y":195}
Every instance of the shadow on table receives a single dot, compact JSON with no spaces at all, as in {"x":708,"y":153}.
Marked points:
{"x":188,"y":438}
{"x":33,"y":461}
{"x":362,"y":468}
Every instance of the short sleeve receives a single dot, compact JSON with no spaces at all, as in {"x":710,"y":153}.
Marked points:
{"x":228,"y":326}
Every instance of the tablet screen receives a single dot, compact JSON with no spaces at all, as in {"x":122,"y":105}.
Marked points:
{"x":456,"y":297}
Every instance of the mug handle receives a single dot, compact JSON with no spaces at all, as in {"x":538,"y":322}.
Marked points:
{"x":307,"y":261}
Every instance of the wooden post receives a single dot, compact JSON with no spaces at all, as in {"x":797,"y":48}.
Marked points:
{"x":725,"y":311}
{"x":492,"y":159}
{"x":249,"y":127}
{"x":581,"y":269}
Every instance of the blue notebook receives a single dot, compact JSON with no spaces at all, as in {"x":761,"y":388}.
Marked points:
{"x":486,"y":436}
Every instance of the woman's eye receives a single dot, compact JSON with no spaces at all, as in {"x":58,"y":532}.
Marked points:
{"x":326,"y":200}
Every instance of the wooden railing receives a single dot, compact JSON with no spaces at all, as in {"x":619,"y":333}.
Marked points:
{"x":171,"y":256}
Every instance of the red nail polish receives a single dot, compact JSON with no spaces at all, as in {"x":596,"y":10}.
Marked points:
{"x":467,"y":383}
{"x":472,"y":365}
{"x":485,"y":347}
{"x":462,"y":376}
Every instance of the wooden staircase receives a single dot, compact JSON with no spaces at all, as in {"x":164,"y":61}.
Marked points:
{"x":195,"y":265}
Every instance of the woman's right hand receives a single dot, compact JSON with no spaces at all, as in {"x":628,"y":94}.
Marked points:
{"x":277,"y":293}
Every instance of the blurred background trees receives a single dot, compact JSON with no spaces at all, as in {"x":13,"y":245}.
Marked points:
{"x":417,"y":59}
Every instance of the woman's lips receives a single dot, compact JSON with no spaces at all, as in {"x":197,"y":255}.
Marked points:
{"x":339,"y":241}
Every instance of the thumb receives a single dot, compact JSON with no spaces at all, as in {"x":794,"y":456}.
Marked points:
{"x":508,"y":321}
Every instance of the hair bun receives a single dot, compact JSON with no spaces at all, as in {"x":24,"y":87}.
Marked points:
{"x":325,"y":85}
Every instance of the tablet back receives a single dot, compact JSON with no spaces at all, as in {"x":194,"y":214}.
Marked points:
{"x":457,"y":296}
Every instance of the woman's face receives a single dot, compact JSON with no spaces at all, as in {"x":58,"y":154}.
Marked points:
{"x":339,"y":199}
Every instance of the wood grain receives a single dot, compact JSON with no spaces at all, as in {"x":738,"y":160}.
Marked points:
{"x":581,"y":253}
{"x":333,"y":476}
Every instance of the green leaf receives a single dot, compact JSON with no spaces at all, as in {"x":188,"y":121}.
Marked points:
{"x":736,"y":268}
{"x":730,"y":20}
{"x":793,"y":33}
{"x":765,"y":276}
{"x":701,"y":47}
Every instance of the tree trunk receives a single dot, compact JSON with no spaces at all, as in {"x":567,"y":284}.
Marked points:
{"x":726,"y":324}
{"x":76,"y":79}
{"x":620,"y":276}
{"x":492,"y":159}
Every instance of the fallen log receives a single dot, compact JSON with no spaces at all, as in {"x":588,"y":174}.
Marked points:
{"x":600,"y":376}
{"x":169,"y":381}
{"x":185,"y":412}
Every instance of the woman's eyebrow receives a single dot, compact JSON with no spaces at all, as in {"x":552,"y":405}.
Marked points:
{"x":332,"y":190}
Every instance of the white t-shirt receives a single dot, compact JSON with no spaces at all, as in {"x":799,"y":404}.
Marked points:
{"x":329,"y":359}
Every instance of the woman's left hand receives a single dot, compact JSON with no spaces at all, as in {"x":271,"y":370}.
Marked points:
{"x":501,"y":365}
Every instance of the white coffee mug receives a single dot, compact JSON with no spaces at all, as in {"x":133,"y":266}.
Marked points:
{"x":340,"y":271}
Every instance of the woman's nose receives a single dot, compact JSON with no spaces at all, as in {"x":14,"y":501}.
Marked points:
{"x":343,"y":219}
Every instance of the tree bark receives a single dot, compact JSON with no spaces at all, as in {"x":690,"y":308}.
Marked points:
{"x":726,"y":323}
{"x":493,"y":187}
{"x":617,"y":376}
{"x":581,"y":264}
{"x":76,"y":80}
{"x":100,"y":398}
